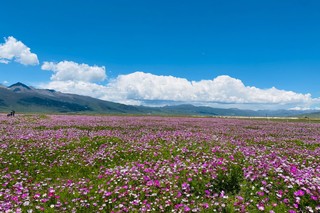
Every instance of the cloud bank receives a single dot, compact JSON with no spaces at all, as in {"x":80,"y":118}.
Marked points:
{"x":147,"y":89}
{"x":69,"y":70}
{"x":15,"y":50}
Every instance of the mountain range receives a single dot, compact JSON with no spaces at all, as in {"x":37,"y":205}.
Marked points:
{"x":25,"y":99}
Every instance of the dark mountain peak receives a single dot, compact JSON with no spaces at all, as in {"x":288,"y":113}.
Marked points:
{"x":19,"y":84}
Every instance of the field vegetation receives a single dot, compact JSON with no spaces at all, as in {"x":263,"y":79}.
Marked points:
{"x":73,"y":163}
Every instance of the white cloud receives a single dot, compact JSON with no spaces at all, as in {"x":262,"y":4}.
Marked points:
{"x":77,"y":87}
{"x":72,"y":71}
{"x":15,"y":50}
{"x":303,"y":108}
{"x":144,"y":88}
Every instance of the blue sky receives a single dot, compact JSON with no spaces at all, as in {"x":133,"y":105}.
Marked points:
{"x":262,"y":44}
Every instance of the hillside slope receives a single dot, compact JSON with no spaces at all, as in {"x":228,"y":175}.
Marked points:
{"x":25,"y":99}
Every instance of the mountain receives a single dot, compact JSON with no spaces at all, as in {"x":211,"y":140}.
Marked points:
{"x":188,"y":109}
{"x":311,"y":115}
{"x":25,"y":99}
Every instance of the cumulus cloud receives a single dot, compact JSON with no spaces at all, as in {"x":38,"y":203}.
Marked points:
{"x":145,"y":88}
{"x":77,"y":87}
{"x":222,"y":89}
{"x":72,"y":71}
{"x":15,"y":50}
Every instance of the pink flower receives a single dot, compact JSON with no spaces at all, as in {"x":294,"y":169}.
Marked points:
{"x":293,"y":169}
{"x":205,"y":205}
{"x":179,"y":194}
{"x":260,"y":207}
{"x":36,"y":196}
{"x":156,"y":183}
{"x":135,"y":202}
{"x":24,"y":195}
{"x":178,"y":206}
{"x":146,"y":178}
{"x":150,"y":183}
{"x":108,"y":194}
{"x":186,"y":209}
{"x":185,"y":186}
{"x":240,"y":198}
{"x":15,"y":198}
{"x":299,"y":193}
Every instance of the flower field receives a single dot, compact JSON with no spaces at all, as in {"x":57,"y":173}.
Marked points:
{"x":77,"y":163}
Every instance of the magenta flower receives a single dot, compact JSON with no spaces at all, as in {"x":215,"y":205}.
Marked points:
{"x":179,"y":194}
{"x":156,"y":183}
{"x":185,"y":186}
{"x":299,"y":193}
{"x":108,"y":194}
{"x":293,"y":169}
{"x":187,"y":209}
{"x":178,"y":206}
{"x":36,"y":196}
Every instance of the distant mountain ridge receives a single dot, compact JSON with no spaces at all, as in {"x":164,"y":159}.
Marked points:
{"x":26,"y":99}
{"x":23,"y":98}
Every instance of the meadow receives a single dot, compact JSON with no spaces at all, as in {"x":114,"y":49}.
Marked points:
{"x":78,"y":163}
